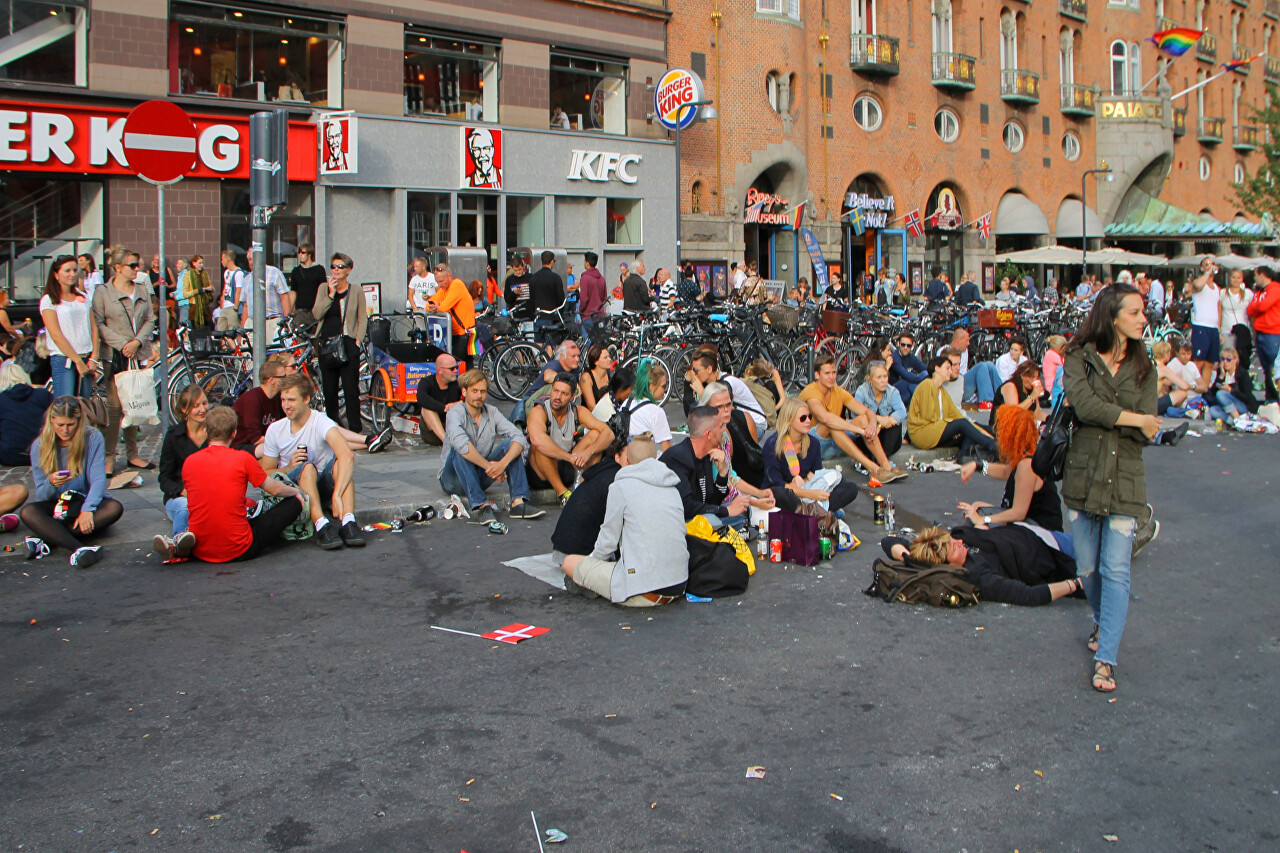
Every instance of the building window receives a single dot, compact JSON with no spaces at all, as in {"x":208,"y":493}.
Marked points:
{"x":44,"y":42}
{"x":946,"y":124}
{"x":1071,"y":147}
{"x":864,"y":16}
{"x":790,"y":8}
{"x":1008,"y":40}
{"x":1119,"y":66}
{"x":773,"y":90}
{"x":593,"y":92}
{"x":867,"y":113}
{"x":1239,"y":173}
{"x":245,"y":53}
{"x":622,"y":226}
{"x":1066,"y":57}
{"x":1205,"y":171}
{"x":450,"y":77}
{"x":941,"y":24}
{"x":695,"y":197}
{"x":1013,"y":137}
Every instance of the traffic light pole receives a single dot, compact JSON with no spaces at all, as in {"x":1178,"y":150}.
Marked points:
{"x":163,"y":284}
{"x":261,"y":215}
{"x":268,"y":188}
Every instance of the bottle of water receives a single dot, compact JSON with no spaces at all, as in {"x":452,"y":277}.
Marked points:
{"x":890,"y":518}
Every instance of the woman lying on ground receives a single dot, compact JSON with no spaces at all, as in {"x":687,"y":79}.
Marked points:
{"x":1011,"y":564}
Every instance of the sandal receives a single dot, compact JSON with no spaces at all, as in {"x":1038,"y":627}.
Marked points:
{"x":1092,"y":643}
{"x":1104,"y":677}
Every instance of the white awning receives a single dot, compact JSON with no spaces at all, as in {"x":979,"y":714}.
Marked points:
{"x":1018,"y":214}
{"x":1069,"y":220}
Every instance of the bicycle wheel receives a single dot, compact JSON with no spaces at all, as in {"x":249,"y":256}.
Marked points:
{"x":380,"y":404}
{"x":679,"y":366}
{"x":517,"y":367}
{"x":785,"y":361}
{"x":849,"y":364}
{"x":487,"y":363}
{"x":178,"y":379}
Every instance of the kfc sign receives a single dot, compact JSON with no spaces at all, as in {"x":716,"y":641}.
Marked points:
{"x":339,"y":148}
{"x":56,"y":138}
{"x":602,"y":166}
{"x":482,"y":158}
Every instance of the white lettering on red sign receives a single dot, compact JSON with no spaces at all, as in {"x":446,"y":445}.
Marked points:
{"x":106,"y":137}
{"x":50,"y":133}
{"x":10,"y":136}
{"x":220,"y":148}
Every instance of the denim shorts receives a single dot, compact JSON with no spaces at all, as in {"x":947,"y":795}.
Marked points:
{"x":324,"y":478}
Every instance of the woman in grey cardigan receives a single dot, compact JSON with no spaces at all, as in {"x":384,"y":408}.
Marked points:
{"x":122,"y":313}
{"x":341,"y":310}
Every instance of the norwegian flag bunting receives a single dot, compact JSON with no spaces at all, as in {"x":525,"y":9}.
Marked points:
{"x":984,"y":226}
{"x":914,"y":225}
{"x":515,"y":632}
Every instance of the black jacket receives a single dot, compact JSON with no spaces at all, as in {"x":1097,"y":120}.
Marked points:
{"x":636,"y":295}
{"x":546,"y":289}
{"x":582,"y":517}
{"x":700,"y":491}
{"x":968,"y":292}
{"x":22,"y":409}
{"x":1012,"y":565}
{"x":174,"y":451}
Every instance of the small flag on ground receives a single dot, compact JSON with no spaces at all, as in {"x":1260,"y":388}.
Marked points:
{"x":984,"y":226}
{"x":515,"y":632}
{"x":914,"y":225}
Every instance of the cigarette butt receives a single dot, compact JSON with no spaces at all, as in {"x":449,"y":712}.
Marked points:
{"x":837,"y":797}
{"x":1017,"y":787}
{"x":1038,"y":773}
{"x":154,"y":831}
{"x":463,"y":800}
{"x":469,"y":781}
{"x":608,"y":716}
{"x":653,"y":805}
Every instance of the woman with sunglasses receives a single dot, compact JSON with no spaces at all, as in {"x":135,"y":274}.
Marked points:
{"x":340,"y":307}
{"x":122,"y":315}
{"x":70,"y":497}
{"x":1232,"y":388}
{"x":792,"y":457}
{"x":71,"y":334}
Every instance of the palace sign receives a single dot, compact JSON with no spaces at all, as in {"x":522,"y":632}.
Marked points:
{"x":90,"y":140}
{"x":1133,"y":109}
{"x":602,"y":165}
{"x":677,"y":87}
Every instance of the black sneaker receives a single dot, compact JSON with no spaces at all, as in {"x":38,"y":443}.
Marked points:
{"x":351,"y":536}
{"x":184,"y":543}
{"x":524,"y":511}
{"x":327,"y":537}
{"x":571,"y":585}
{"x":1175,"y":435}
{"x":36,"y":547}
{"x":83,"y":558}
{"x":380,"y":441}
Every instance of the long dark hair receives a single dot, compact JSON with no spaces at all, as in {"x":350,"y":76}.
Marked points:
{"x":52,"y":288}
{"x":1099,"y":328}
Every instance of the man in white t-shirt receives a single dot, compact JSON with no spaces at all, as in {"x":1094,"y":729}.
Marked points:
{"x":311,"y":450}
{"x":1008,"y":363}
{"x":233,"y":282}
{"x":279,"y":299}
{"x":422,"y":287}
{"x":739,"y":276}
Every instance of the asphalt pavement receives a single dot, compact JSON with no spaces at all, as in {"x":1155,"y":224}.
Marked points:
{"x":302,"y":701}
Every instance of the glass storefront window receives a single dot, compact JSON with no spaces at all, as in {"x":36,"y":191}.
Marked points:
{"x":44,"y":42}
{"x":526,"y":222}
{"x":429,"y":220}
{"x":592,"y":92}
{"x":41,"y":219}
{"x":622,"y":221}
{"x":450,"y":77}
{"x":229,"y":52}
{"x":290,"y":226}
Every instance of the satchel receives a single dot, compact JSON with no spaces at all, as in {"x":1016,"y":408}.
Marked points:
{"x":300,"y":528}
{"x":714,"y":569}
{"x":333,"y":352}
{"x":940,"y":586}
{"x":799,"y":535}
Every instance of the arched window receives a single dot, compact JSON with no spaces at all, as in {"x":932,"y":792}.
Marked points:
{"x":1119,"y":66}
{"x":1014,"y":137}
{"x":867,"y":113}
{"x":1202,"y":13}
{"x":1071,"y":146}
{"x":1066,"y":57}
{"x":1239,"y":173}
{"x":1008,"y":40}
{"x":1236,"y":89}
{"x":1204,"y":168}
{"x":1135,"y":70}
{"x":695,"y":197}
{"x":773,"y":90}
{"x":941,"y":20}
{"x":946,"y":124}
{"x":1200,"y":94}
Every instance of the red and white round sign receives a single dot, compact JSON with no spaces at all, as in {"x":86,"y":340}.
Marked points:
{"x":160,"y":141}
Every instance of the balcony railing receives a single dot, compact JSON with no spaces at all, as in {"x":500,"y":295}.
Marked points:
{"x":1179,"y":122}
{"x":1244,"y":3}
{"x":1163,"y":23}
{"x":1210,"y":130}
{"x":1079,"y":100}
{"x":874,"y":54}
{"x":1240,"y":53}
{"x":1271,"y":8}
{"x":1077,"y":9}
{"x":953,"y":71}
{"x":1246,"y":138}
{"x":1207,"y":48}
{"x":1272,"y":72}
{"x":1019,"y":87}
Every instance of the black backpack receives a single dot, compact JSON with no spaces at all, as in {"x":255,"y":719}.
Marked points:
{"x":940,"y":586}
{"x":714,"y":569}
{"x":620,"y":423}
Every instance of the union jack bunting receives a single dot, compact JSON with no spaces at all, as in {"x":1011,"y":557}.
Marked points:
{"x":984,"y":226}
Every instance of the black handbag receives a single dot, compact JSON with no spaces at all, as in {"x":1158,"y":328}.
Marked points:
{"x":1051,"y":451}
{"x":333,"y":352}
{"x":714,"y":569}
{"x":748,"y":459}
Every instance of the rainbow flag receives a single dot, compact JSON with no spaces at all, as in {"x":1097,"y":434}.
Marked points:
{"x":1176,"y":41}
{"x":1236,"y":63}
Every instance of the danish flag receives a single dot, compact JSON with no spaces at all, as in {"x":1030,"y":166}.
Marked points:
{"x":984,"y":226}
{"x":914,"y":225}
{"x":515,"y":632}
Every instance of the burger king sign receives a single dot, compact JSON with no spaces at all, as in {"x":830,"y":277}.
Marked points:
{"x":677,"y":87}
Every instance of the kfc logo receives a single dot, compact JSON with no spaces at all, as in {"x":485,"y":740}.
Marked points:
{"x":482,"y":158}
{"x":338,"y":137}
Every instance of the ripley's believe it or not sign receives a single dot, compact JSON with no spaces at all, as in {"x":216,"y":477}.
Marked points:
{"x":677,"y":87}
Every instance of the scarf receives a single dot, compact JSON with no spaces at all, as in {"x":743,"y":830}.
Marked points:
{"x":793,"y":458}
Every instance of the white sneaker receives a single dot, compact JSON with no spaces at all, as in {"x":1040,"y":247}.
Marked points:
{"x":83,"y":558}
{"x":184,"y":544}
{"x":163,"y":546}
{"x":36,"y":547}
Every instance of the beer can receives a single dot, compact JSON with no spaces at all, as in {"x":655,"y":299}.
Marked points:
{"x":497,"y":528}
{"x":775,"y":550}
{"x":877,"y":503}
{"x":825,"y":547}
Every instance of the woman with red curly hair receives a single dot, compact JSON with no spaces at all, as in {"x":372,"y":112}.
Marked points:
{"x":1027,"y":496}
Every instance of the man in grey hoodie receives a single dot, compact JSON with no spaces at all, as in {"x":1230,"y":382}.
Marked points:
{"x":639,"y":559}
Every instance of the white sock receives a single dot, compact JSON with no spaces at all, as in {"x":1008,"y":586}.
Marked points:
{"x":349,"y":517}
{"x":321,"y":523}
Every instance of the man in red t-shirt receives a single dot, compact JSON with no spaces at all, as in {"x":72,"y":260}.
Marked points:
{"x":216,"y":478}
{"x":258,"y":408}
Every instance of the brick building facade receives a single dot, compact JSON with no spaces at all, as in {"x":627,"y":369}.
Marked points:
{"x":1032,"y":94}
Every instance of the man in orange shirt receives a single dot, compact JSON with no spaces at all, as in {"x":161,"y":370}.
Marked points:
{"x":455,"y":299}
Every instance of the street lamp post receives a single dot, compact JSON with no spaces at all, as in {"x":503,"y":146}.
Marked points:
{"x":1084,"y":215}
{"x":708,"y":113}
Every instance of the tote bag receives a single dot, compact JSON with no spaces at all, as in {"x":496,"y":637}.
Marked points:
{"x":137,"y":392}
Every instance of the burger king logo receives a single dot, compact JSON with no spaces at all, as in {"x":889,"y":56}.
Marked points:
{"x":677,"y":87}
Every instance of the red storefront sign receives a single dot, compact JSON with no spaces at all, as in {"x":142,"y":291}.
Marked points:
{"x":90,"y":140}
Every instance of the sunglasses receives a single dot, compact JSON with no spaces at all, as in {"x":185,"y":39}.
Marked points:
{"x":1229,"y":358}
{"x":135,"y":265}
{"x":338,"y":266}
{"x":804,"y":419}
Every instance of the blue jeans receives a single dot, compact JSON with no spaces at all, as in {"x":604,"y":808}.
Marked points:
{"x":982,"y":379}
{"x":176,"y":509}
{"x":1268,"y":346}
{"x":459,"y":475}
{"x":1230,"y":403}
{"x":184,"y":312}
{"x":1065,"y":543}
{"x":67,"y":380}
{"x":1104,"y":545}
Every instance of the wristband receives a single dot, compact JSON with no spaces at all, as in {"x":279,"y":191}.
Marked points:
{"x":986,"y":468}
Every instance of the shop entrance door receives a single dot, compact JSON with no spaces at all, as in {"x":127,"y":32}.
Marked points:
{"x":478,"y":223}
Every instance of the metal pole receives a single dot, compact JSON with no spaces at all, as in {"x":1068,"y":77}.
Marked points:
{"x":259,"y":288}
{"x":679,"y":192}
{"x":164,"y":315}
{"x":1084,"y":230}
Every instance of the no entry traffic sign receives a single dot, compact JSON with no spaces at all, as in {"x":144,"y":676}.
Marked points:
{"x":160,"y":141}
